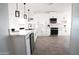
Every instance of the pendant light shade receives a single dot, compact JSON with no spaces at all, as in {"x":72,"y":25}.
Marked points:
{"x":17,"y":12}
{"x":25,"y":15}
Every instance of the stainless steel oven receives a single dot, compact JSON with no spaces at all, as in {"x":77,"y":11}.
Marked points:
{"x":53,"y":20}
{"x":54,"y":31}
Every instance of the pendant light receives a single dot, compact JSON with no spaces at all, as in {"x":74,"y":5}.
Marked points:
{"x":25,"y":16}
{"x":28,"y":14}
{"x":17,"y":12}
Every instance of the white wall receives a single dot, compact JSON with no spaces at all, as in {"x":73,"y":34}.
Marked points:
{"x":12,"y":20}
{"x":62,"y":17}
{"x":75,"y":29}
{"x":4,"y":26}
{"x":42,"y":20}
{"x":16,"y":22}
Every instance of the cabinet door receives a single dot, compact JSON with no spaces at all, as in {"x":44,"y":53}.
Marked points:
{"x":18,"y":45}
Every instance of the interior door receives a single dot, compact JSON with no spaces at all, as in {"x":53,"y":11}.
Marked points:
{"x":4,"y":26}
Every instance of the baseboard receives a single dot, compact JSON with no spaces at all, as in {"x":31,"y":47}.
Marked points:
{"x":4,"y":53}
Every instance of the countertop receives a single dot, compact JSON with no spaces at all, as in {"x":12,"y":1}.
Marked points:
{"x":21,"y":32}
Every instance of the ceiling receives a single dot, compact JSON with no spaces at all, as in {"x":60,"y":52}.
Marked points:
{"x":47,"y":7}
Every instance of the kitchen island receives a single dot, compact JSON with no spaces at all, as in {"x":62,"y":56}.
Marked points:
{"x":22,"y":42}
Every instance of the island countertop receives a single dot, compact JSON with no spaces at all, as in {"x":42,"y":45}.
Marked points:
{"x":21,"y":32}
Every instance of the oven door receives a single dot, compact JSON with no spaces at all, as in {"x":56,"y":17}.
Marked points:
{"x":54,"y":31}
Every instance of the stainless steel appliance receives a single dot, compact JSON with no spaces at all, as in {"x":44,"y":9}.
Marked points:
{"x":54,"y":31}
{"x":53,"y":20}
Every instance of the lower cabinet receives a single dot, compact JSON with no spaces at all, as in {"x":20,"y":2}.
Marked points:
{"x":20,"y":45}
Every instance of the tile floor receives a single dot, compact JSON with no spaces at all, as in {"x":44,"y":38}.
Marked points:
{"x":52,"y":45}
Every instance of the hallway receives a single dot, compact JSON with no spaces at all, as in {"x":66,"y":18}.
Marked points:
{"x":52,"y":45}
